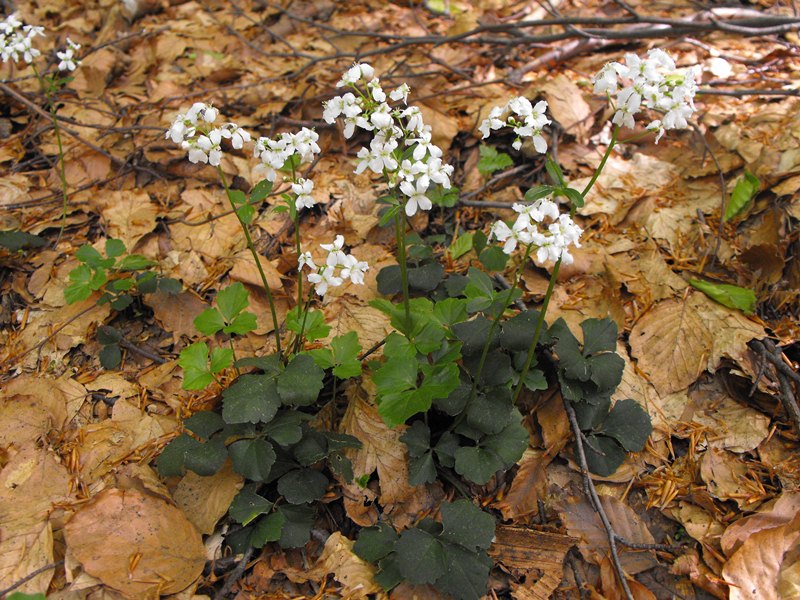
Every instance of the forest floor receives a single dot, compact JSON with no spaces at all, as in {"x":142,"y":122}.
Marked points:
{"x":718,"y":484}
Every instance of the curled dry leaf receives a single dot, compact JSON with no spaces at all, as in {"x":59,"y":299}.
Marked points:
{"x":785,"y":508}
{"x":529,"y":485}
{"x":30,"y":484}
{"x":136,"y":543}
{"x":677,"y":340}
{"x":726,"y":478}
{"x":754,"y":571}
{"x":355,"y":575}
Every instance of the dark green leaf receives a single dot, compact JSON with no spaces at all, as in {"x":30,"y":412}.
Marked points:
{"x":170,"y":462}
{"x":606,"y":370}
{"x":517,"y":333}
{"x":446,"y":448}
{"x":509,"y":444}
{"x":421,"y":469}
{"x":538,"y":192}
{"x":388,"y":575}
{"x":466,"y":573}
{"x":467,"y":525}
{"x":477,"y":464}
{"x":204,"y":423}
{"x":122,"y":285}
{"x":315,"y":327}
{"x":599,"y":335}
{"x":376,"y":542}
{"x":493,"y":258}
{"x":420,"y":557}
{"x":301,"y":382}
{"x":302,"y":485}
{"x":591,"y":415}
{"x":744,"y":191}
{"x":169,"y":285}
{"x":208,"y":458}
{"x":417,"y":438}
{"x":554,"y":171}
{"x":474,"y":335}
{"x":19,"y":240}
{"x":91,"y":257}
{"x":251,"y":399}
{"x":629,"y":424}
{"x":110,"y":356}
{"x":108,"y":335}
{"x":454,"y":402}
{"x":271,"y":364}
{"x":252,"y":459}
{"x":312,"y":448}
{"x":603,"y":455}
{"x":297,"y":528}
{"x":426,"y":277}
{"x":575,"y":197}
{"x":341,"y":466}
{"x":121,"y":302}
{"x":285,"y":429}
{"x":728,"y":295}
{"x":450,"y":311}
{"x":489,"y":413}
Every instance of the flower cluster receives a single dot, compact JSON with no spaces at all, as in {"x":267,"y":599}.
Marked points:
{"x":67,"y":59}
{"x":274,"y":154}
{"x":194,"y":133}
{"x":525,"y":119}
{"x":338,"y":267}
{"x":16,"y":40}
{"x":551,"y":241}
{"x":653,"y":83}
{"x":395,"y":130}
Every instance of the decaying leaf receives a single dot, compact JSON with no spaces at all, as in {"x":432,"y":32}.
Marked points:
{"x":204,"y":500}
{"x":136,"y":543}
{"x":355,"y":575}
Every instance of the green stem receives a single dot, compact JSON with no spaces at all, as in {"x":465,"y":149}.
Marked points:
{"x":485,"y":354}
{"x":400,"y":236}
{"x":256,"y":257}
{"x":233,"y":351}
{"x":298,"y":343}
{"x":551,"y":284}
{"x":62,"y":173}
{"x":297,"y":242}
{"x":602,"y":164}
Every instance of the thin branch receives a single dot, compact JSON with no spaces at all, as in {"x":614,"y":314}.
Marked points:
{"x":30,"y":576}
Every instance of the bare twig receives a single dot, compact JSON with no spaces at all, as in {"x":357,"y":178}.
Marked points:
{"x":30,"y":576}
{"x":234,"y":576}
{"x":785,"y":375}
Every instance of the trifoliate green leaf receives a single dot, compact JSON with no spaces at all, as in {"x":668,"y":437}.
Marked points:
{"x":591,"y":415}
{"x":232,"y":300}
{"x":251,"y":399}
{"x":450,"y":311}
{"x":744,"y":191}
{"x":194,"y":362}
{"x":445,"y":449}
{"x":489,"y":413}
{"x":421,"y":469}
{"x":345,"y":353}
{"x":315,"y":327}
{"x":425,"y":278}
{"x":92,"y":258}
{"x":629,"y":424}
{"x":170,"y":462}
{"x":242,"y":323}
{"x":374,"y":543}
{"x":110,"y":356}
{"x":252,"y":459}
{"x":312,"y":448}
{"x":517,"y":333}
{"x":510,"y":443}
{"x":491,"y":160}
{"x":606,"y":370}
{"x":728,"y":295}
{"x":301,"y":381}
{"x":209,"y":321}
{"x":169,"y":285}
{"x":474,"y":335}
{"x":455,"y":401}
{"x":599,"y":335}
{"x":20,"y":240}
{"x":302,"y":485}
{"x":493,"y":258}
{"x":420,"y":557}
{"x":285,"y":429}
{"x":467,"y":525}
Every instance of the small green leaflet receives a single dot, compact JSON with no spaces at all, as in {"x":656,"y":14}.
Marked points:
{"x":744,"y":191}
{"x":461,"y":245}
{"x":728,"y":295}
{"x":491,"y":160}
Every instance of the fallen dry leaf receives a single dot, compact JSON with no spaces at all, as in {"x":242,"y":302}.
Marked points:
{"x":356,"y":576}
{"x":785,"y":508}
{"x":136,"y":543}
{"x":753,"y":570}
{"x":204,"y":500}
{"x":677,"y":340}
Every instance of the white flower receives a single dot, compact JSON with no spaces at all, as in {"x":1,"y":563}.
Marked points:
{"x":324,"y":279}
{"x":303,"y":189}
{"x":536,"y":212}
{"x":336,"y":257}
{"x":17,"y":39}
{"x":400,"y":93}
{"x":376,"y":91}
{"x":354,"y":269}
{"x":306,"y":260}
{"x":355,"y":74}
{"x":493,"y":122}
{"x":416,"y":196}
{"x":67,"y":57}
{"x":510,"y":235}
{"x":424,"y":145}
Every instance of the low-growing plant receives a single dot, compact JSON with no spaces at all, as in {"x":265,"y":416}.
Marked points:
{"x":452,"y":371}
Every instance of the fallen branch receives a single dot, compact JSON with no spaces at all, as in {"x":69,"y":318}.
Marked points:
{"x":769,"y":352}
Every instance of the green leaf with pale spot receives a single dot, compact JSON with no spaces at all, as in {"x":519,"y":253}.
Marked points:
{"x":744,"y":191}
{"x":728,"y":295}
{"x":248,"y":505}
